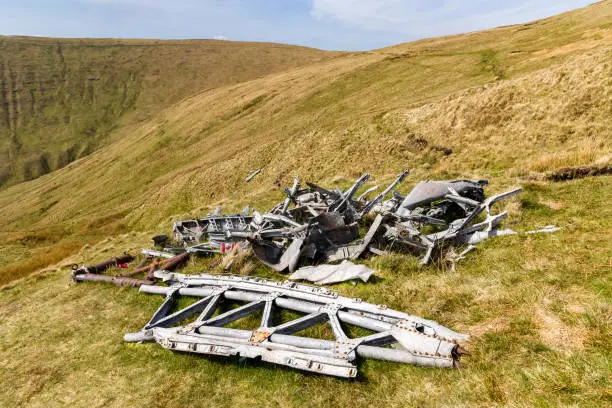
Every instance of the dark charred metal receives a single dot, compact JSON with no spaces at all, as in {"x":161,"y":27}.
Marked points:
{"x":102,"y":266}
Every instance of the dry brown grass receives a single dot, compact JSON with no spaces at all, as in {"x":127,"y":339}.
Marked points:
{"x":546,"y":120}
{"x":38,"y":259}
{"x":590,"y":39}
{"x":585,"y":155}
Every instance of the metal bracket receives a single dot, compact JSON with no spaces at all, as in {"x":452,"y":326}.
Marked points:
{"x":345,"y":348}
{"x":261,"y":334}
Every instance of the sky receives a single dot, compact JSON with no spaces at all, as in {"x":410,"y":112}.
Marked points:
{"x":325,"y":24}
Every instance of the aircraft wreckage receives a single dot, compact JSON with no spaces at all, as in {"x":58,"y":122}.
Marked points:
{"x":322,"y":225}
{"x":418,"y":341}
{"x":313,"y":226}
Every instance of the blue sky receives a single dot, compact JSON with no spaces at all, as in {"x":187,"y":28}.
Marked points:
{"x":327,"y":24}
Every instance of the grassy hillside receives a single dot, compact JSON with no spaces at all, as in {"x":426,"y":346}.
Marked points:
{"x":389,"y":109}
{"x":538,"y":308}
{"x":512,"y":105}
{"x":60,"y":99}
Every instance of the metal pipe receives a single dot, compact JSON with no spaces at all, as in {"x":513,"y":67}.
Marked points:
{"x":167,"y":264}
{"x":290,"y":304}
{"x":377,"y":353}
{"x":102,"y":266}
{"x":290,"y":194}
{"x":400,"y":356}
{"x":175,"y":261}
{"x":117,"y":280}
{"x":152,"y":252}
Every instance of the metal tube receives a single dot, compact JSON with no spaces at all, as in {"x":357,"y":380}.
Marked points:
{"x":295,"y":341}
{"x":297,"y":305}
{"x":224,"y":332}
{"x":291,"y":304}
{"x":290,"y":195}
{"x":102,"y":266}
{"x":377,"y":353}
{"x":171,"y":263}
{"x":366,"y":322}
{"x":163,"y":290}
{"x":368,"y":207}
{"x":152,"y":252}
{"x":305,"y":342}
{"x":400,"y":356}
{"x":242,"y":337}
{"x":297,"y":291}
{"x":117,"y":280}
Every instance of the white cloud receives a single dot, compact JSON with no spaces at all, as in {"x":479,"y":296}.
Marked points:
{"x":219,"y":37}
{"x":436,"y":17}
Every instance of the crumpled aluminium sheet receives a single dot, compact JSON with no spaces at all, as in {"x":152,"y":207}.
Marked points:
{"x":326,"y":274}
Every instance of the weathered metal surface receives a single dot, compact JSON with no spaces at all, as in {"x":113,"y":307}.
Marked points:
{"x":327,"y":274}
{"x":252,"y":175}
{"x":427,"y":192}
{"x":322,"y":225}
{"x":177,"y":260}
{"x":162,"y":254}
{"x":167,"y":264}
{"x":212,"y":228}
{"x":116,"y":280}
{"x":418,"y":341}
{"x":102,"y":266}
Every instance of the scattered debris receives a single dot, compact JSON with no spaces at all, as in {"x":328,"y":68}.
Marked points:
{"x":160,"y":240}
{"x":252,"y":175}
{"x":213,"y":230}
{"x":327,"y":274}
{"x":417,"y":341}
{"x":94,"y":273}
{"x":546,"y":230}
{"x":312,"y":225}
{"x":322,"y":225}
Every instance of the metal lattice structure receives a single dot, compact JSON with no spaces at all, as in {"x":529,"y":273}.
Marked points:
{"x":397,"y":337}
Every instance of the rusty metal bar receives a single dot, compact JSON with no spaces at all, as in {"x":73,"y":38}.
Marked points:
{"x":102,"y":266}
{"x":168,"y":264}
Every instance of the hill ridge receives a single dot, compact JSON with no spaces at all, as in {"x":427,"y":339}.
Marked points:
{"x":60,"y":99}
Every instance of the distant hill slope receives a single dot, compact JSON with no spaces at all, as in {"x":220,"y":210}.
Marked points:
{"x":504,"y":103}
{"x":61,"y":98}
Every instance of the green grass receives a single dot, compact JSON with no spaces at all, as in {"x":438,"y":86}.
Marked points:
{"x":61,"y":99}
